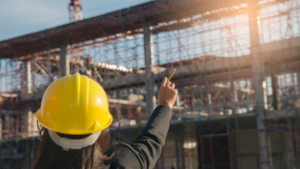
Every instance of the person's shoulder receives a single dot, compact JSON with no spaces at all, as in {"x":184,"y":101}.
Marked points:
{"x":126,"y":158}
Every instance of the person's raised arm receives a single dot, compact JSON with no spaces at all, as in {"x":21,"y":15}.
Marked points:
{"x":147,"y":147}
{"x":167,"y":93}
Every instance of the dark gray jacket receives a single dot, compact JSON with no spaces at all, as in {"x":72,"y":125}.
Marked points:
{"x":145,"y":150}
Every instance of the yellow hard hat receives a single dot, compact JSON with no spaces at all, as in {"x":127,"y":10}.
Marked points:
{"x":76,"y":105}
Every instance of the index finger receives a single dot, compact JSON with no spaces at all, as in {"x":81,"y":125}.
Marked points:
{"x":163,"y":83}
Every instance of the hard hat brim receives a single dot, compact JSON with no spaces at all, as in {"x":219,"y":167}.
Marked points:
{"x":67,"y":144}
{"x":73,"y":132}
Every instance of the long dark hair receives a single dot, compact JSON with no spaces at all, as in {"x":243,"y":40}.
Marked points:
{"x":50,"y":155}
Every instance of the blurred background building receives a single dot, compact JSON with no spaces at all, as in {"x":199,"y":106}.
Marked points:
{"x":238,"y":76}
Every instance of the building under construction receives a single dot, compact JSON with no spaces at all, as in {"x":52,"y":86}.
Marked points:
{"x":238,"y":77}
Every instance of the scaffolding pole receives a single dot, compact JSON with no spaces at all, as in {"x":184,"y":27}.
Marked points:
{"x":150,"y":83}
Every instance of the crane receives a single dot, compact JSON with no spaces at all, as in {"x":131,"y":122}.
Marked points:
{"x":75,"y":11}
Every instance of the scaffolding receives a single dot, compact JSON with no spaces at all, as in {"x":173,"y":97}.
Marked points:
{"x":238,"y":79}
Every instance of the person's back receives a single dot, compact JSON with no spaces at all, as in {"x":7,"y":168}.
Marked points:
{"x":74,"y":116}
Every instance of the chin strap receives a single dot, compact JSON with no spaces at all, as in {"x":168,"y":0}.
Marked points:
{"x":67,"y":143}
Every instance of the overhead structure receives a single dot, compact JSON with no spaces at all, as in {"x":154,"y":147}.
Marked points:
{"x":166,"y":14}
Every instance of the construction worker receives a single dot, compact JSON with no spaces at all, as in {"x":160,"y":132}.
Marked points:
{"x":75,"y":115}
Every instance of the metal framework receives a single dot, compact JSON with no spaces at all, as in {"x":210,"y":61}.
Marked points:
{"x":237,"y":74}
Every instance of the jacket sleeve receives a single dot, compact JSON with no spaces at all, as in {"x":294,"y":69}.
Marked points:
{"x":147,"y":147}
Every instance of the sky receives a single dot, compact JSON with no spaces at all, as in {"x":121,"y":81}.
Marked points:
{"x":20,"y":17}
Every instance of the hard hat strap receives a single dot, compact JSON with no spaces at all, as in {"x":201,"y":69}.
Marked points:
{"x":67,"y":143}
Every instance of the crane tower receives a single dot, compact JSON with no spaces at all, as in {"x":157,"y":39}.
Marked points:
{"x":75,"y":11}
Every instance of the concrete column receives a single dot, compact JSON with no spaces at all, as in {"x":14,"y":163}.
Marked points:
{"x":208,"y":100}
{"x":181,"y":153}
{"x":150,"y":83}
{"x":275,"y":88}
{"x":49,"y":68}
{"x":259,"y":86}
{"x":275,"y":91}
{"x":27,"y":68}
{"x":64,"y":61}
{"x":30,"y":124}
{"x":264,"y":144}
{"x":233,"y":96}
{"x":298,"y":82}
{"x":257,"y":60}
{"x":179,"y":149}
{"x":233,"y":92}
{"x":29,"y":116}
{"x":287,"y":150}
{"x":177,"y":102}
